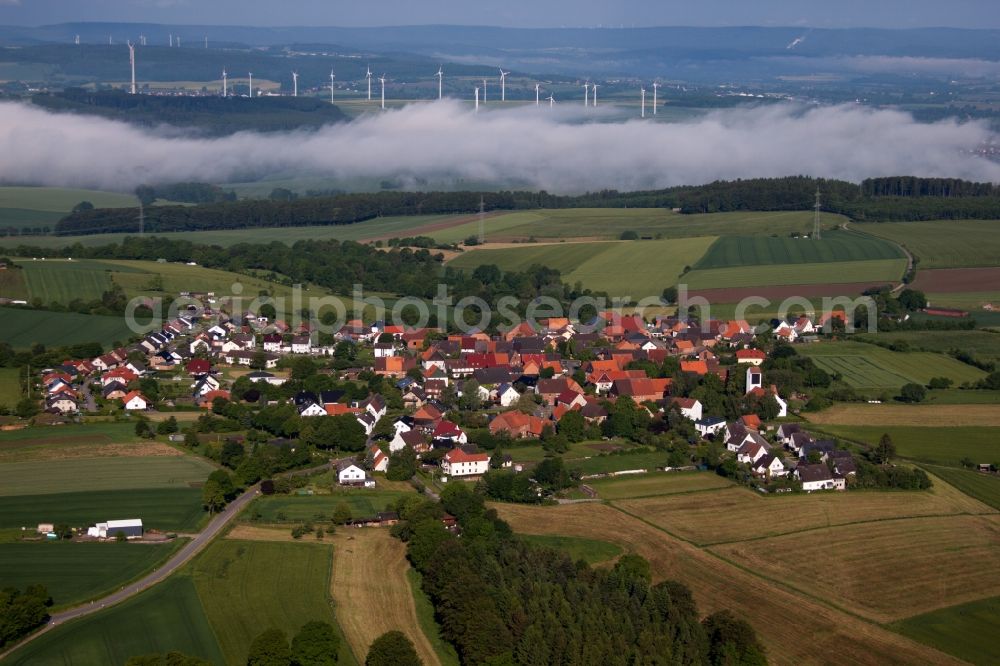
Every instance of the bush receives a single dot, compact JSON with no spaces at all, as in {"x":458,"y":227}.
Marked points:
{"x":629,"y":235}
{"x":912,"y":393}
{"x":392,"y":648}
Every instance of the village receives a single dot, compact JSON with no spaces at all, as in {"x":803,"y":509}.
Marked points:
{"x":460,"y":406}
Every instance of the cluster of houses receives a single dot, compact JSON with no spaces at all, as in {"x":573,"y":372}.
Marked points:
{"x":427,"y":365}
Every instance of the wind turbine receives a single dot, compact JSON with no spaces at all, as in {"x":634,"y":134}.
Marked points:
{"x":225,"y":83}
{"x":206,"y":41}
{"x":142,"y":40}
{"x":586,"y":93}
{"x":131,"y":62}
{"x":594,"y":86}
{"x":484,"y":91}
{"x":368,"y":76}
{"x":295,"y":84}
{"x":171,"y":40}
{"x":440,"y":76}
{"x":332,"y":77}
{"x":381,"y":80}
{"x":643,"y":90}
{"x":537,"y":86}
{"x":655,"y":86}
{"x":251,"y":85}
{"x":552,"y":100}
{"x":77,"y":41}
{"x":110,"y":41}
{"x":503,"y":84}
{"x":178,"y":41}
{"x":477,"y":99}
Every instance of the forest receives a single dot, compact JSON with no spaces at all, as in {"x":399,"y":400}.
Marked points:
{"x":882,"y":199}
{"x":500,"y":600}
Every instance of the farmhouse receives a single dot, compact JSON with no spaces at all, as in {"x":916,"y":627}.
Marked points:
{"x":351,"y":474}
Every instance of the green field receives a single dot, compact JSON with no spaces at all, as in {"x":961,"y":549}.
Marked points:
{"x":22,"y":328}
{"x":983,"y":345}
{"x":632,"y":268}
{"x":13,"y":285}
{"x":967,"y":631}
{"x":364,"y":502}
{"x":166,"y":617}
{"x":834,"y":246}
{"x":590,"y":551}
{"x":971,"y":300}
{"x":983,"y":487}
{"x":61,"y":281}
{"x":77,"y":572}
{"x":942,"y":446}
{"x":10,"y":386}
{"x":657,"y":483}
{"x":98,"y":474}
{"x":85,"y":433}
{"x":875,"y":272}
{"x":874,"y":368}
{"x":428,"y":623}
{"x":617,"y":463}
{"x":609,"y":223}
{"x":33,"y":207}
{"x":248,"y":586}
{"x":166,"y":509}
{"x":387,"y":227}
{"x":947,"y":243}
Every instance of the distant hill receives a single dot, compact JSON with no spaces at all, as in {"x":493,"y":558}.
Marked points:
{"x":213,"y":115}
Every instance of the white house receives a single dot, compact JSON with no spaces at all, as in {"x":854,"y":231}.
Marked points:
{"x":313,"y":409}
{"x":380,"y":461}
{"x":411,"y":438}
{"x":301,"y":344}
{"x":751,"y":452}
{"x":818,"y":477}
{"x":63,"y":403}
{"x":135,"y":401}
{"x":710,"y":425}
{"x":458,"y":463}
{"x":769,"y":466}
{"x":507,"y":395}
{"x":350,"y":474}
{"x":690,"y":408}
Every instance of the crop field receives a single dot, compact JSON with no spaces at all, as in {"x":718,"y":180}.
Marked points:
{"x":737,"y":514}
{"x":248,"y":586}
{"x":76,"y":572}
{"x":166,"y":617}
{"x":657,"y":483}
{"x":864,"y":366}
{"x":942,"y":446}
{"x":945,"y":244}
{"x":362,"y":501}
{"x":371,"y":592}
{"x":983,"y":487}
{"x":633,"y":268}
{"x":98,"y":474}
{"x":886,"y":570}
{"x":983,"y":345}
{"x":617,"y":463}
{"x":888,"y":414}
{"x":967,"y":631}
{"x":835,"y":246}
{"x":23,"y":328}
{"x":166,"y":509}
{"x":971,"y":300}
{"x":590,"y":551}
{"x":870,"y":273}
{"x":87,"y":433}
{"x":12,"y":285}
{"x":793,"y":627}
{"x":943,"y":281}
{"x":33,"y":207}
{"x":61,"y":281}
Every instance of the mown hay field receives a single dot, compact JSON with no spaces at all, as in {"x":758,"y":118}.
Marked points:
{"x":794,"y":628}
{"x":885,"y":570}
{"x":737,"y":514}
{"x":657,"y":483}
{"x":894,"y":414}
{"x":97,"y":474}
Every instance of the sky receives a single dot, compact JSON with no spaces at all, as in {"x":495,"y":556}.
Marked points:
{"x":514,"y":13}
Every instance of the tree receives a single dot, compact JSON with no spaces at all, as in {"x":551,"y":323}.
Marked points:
{"x":83,"y":206}
{"x":940,"y":383}
{"x":470,"y":400}
{"x":912,"y":393}
{"x":172,"y":658}
{"x":213,"y":496}
{"x":341,"y":513}
{"x":911,"y":299}
{"x":732,"y":641}
{"x":885,"y":450}
{"x":669,"y":295}
{"x":392,"y":648}
{"x":629,"y":235}
{"x":167,"y":427}
{"x":572,"y":426}
{"x":26,"y":408}
{"x":142,"y":429}
{"x":316,"y":644}
{"x":270,"y":648}
{"x":402,"y":464}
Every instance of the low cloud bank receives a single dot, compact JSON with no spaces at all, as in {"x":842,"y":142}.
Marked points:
{"x":561,"y":150}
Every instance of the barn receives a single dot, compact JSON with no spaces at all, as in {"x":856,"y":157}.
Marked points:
{"x":131,"y":528}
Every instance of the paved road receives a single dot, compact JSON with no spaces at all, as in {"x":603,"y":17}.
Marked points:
{"x":181,"y":557}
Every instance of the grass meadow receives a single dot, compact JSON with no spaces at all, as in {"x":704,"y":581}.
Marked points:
{"x":945,"y":243}
{"x":864,"y":366}
{"x":983,"y":487}
{"x":34,"y":207}
{"x":77,"y":572}
{"x":101,"y":474}
{"x":967,"y":631}
{"x":940,"y":446}
{"x":662,"y":483}
{"x":364,"y":502}
{"x":876,"y":272}
{"x":10,"y":386}
{"x":590,"y":551}
{"x":168,"y":616}
{"x":835,"y":246}
{"x":983,"y":345}
{"x":23,"y":328}
{"x":248,"y":586}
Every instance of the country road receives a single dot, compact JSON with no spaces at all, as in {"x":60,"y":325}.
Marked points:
{"x":179,"y":559}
